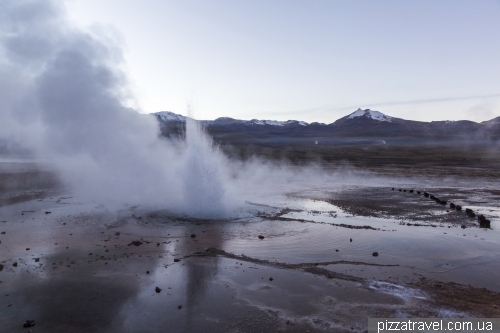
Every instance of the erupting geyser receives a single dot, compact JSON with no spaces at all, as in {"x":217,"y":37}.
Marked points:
{"x":204,"y":190}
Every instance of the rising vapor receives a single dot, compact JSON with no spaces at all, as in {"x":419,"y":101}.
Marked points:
{"x":62,"y":97}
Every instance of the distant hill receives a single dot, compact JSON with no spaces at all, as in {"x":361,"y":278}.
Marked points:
{"x":360,"y":125}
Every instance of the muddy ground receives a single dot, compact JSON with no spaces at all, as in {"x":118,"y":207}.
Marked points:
{"x":74,"y":266}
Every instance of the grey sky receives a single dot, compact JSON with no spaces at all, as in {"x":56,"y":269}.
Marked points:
{"x":306,"y":60}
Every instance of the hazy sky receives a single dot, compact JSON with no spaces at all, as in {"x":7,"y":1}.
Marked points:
{"x":306,"y":60}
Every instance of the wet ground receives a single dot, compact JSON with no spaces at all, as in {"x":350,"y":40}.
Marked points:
{"x":73,"y":266}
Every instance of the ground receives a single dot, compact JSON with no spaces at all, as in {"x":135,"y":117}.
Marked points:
{"x":74,"y":266}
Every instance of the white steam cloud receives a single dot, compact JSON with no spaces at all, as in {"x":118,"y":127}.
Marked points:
{"x":61,"y":94}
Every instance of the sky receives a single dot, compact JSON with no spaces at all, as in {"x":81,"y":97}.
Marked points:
{"x":307,"y":60}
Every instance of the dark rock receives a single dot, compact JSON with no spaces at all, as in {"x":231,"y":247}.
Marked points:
{"x":29,"y":323}
{"x":411,"y":191}
{"x":458,"y":207}
{"x":336,"y":250}
{"x":3,"y":232}
{"x":452,"y":205}
{"x":48,"y":212}
{"x":350,"y":239}
{"x":418,"y":192}
{"x":27,"y":249}
{"x":147,"y":272}
{"x":399,"y":190}
{"x":261,"y":237}
{"x":485,"y":224}
{"x":270,"y":279}
{"x":426,"y":194}
{"x":179,"y":307}
{"x":432,"y":197}
{"x":463,"y":226}
{"x":404,"y":190}
{"x":193,"y":236}
{"x":393,"y":188}
{"x":117,"y":233}
{"x":158,"y":290}
{"x":375,"y":254}
{"x":443,"y":202}
{"x":176,"y":260}
{"x":14,"y":264}
{"x":135,"y":243}
{"x":1,"y":267}
{"x":481,"y":217}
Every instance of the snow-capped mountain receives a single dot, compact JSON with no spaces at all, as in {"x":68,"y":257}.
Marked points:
{"x":169,"y":116}
{"x":367,"y":113}
{"x":360,"y":124}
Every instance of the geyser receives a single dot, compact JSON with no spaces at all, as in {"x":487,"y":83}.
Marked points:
{"x":64,"y":99}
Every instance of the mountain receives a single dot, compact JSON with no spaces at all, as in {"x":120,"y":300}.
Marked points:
{"x":366,"y":124}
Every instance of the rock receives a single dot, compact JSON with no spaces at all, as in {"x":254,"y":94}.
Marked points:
{"x":443,"y":202}
{"x":37,"y":259}
{"x":418,"y":192}
{"x":270,"y":279}
{"x":350,"y":239}
{"x":14,"y":264}
{"x":48,"y":212}
{"x":485,"y":223}
{"x":27,"y":249}
{"x":135,"y":243}
{"x":404,"y":190}
{"x":375,"y":254}
{"x":1,"y":267}
{"x":426,"y":194}
{"x":336,"y":250}
{"x":147,"y":272}
{"x":432,"y":197}
{"x":3,"y":232}
{"x":29,"y":323}
{"x":117,"y":233}
{"x":393,"y":188}
{"x":193,"y":236}
{"x":261,"y":237}
{"x":179,"y":307}
{"x":411,"y":191}
{"x":452,"y":205}
{"x":458,"y":207}
{"x":158,"y":290}
{"x":399,"y":190}
{"x":463,"y":226}
{"x":176,"y":260}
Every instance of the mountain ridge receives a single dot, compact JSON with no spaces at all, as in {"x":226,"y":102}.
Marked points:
{"x":358,"y":124}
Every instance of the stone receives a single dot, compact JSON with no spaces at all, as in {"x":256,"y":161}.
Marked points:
{"x":375,"y":254}
{"x":176,"y":260}
{"x":29,"y":323}
{"x":193,"y":236}
{"x":179,"y":307}
{"x":135,"y":243}
{"x":158,"y":290}
{"x":261,"y":237}
{"x":270,"y":279}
